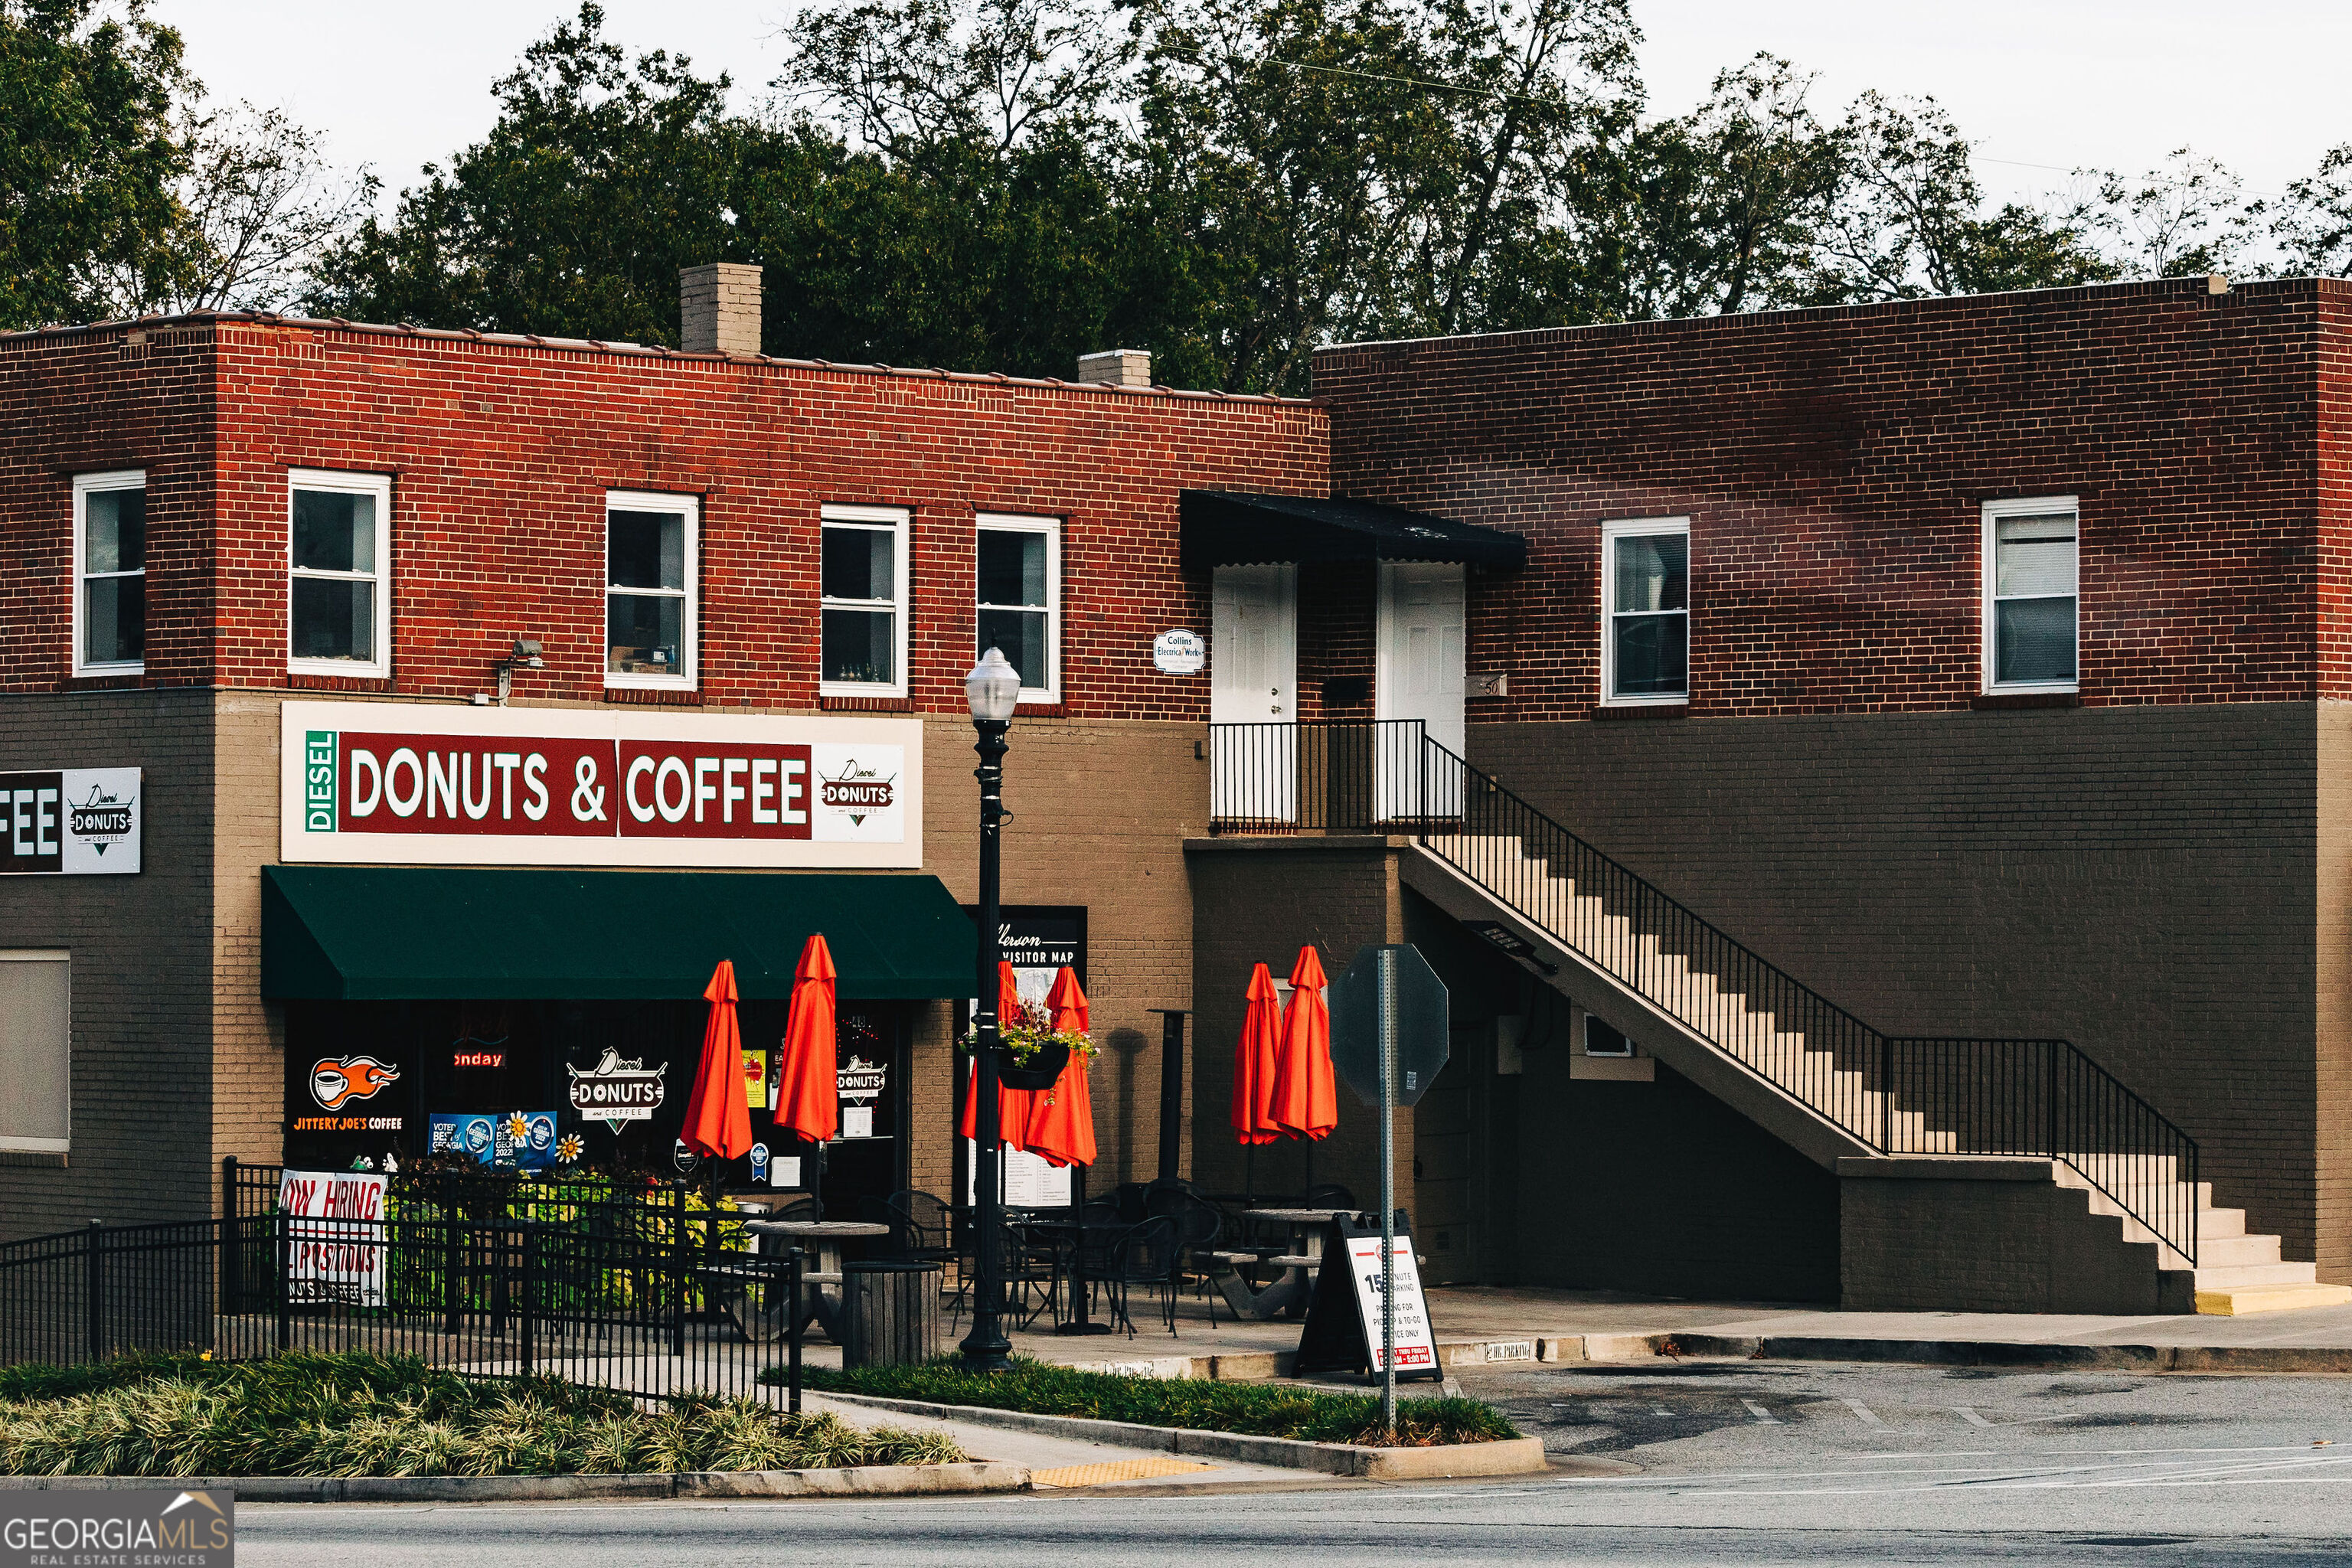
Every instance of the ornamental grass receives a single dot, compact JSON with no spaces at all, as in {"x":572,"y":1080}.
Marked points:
{"x":1257,"y":1409}
{"x":304,"y":1414}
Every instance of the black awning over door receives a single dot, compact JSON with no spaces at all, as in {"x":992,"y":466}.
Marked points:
{"x":1230,"y":528}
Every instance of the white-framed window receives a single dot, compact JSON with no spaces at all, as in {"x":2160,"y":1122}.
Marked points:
{"x":2032,"y":620}
{"x":652,"y":545}
{"x":338,"y":559}
{"x":1018,"y":602}
{"x":36,"y":1050}
{"x":862,"y":603}
{"x":110,"y":573}
{"x":1603,"y":1040}
{"x":1645,"y":610}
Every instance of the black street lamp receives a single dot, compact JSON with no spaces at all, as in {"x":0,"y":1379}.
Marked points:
{"x":993,"y":690}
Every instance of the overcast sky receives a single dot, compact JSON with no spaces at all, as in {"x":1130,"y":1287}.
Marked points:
{"x":2257,"y":84}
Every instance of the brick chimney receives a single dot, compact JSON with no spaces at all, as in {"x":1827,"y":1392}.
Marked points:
{"x":719,"y":308}
{"x":1116,"y":367}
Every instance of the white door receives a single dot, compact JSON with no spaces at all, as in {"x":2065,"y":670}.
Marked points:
{"x":1254,"y":681}
{"x":1419,"y":675}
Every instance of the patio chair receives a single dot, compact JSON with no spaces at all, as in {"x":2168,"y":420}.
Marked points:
{"x":1330,"y":1195}
{"x":925,"y":1226}
{"x":1197,"y":1224}
{"x":1141,"y":1255}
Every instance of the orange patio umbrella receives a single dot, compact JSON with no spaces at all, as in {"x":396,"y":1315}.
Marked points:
{"x":718,"y":1124}
{"x":1062,"y":1120}
{"x":808,"y":1096}
{"x":1014,"y":1106}
{"x":1253,"y":1062}
{"x":1305,"y":1099}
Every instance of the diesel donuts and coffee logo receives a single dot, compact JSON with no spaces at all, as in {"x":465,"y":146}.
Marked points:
{"x":71,"y":822}
{"x":613,"y":1092}
{"x":375,"y":782}
{"x":103,"y":1529}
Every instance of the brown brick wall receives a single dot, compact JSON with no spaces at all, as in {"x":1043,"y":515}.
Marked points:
{"x":1259,"y":900}
{"x":2141,"y":882}
{"x":141,"y":1009}
{"x":1832,"y":461}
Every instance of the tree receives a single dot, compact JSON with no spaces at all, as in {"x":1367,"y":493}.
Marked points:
{"x":255,"y":206}
{"x":88,"y":155}
{"x":1910,"y":219}
{"x":2313,"y":227}
{"x":597,"y":183}
{"x":2177,"y":221}
{"x":909,"y":75}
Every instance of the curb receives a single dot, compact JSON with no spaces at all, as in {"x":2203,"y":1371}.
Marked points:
{"x":1954,"y":1353}
{"x":862,"y":1480}
{"x":1513,"y":1456}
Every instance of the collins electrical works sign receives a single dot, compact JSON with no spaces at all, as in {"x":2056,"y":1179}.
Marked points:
{"x":410,"y":782}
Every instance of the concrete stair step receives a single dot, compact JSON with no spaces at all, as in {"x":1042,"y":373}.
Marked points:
{"x":2243,"y":1276}
{"x":2233,"y":1251}
{"x":2231,"y":1301}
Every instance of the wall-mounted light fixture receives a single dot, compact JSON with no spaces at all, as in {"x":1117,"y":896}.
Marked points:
{"x":526,"y":655}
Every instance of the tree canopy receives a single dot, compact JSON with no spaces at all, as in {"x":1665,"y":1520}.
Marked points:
{"x":1005,"y":184}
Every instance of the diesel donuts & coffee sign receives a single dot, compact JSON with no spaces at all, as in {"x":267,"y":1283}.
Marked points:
{"x":401,"y":782}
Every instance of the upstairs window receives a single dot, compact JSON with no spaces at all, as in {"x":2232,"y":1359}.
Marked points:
{"x":862,"y":607}
{"x":1019,"y":602}
{"x":110,"y":573}
{"x":1645,"y":610}
{"x":650,"y":572}
{"x":338,"y":609}
{"x":2031,"y":626}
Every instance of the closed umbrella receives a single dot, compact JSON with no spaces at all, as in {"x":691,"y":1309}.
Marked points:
{"x":1306,"y":1101}
{"x":718,"y":1124}
{"x":1062,"y":1121}
{"x":1253,"y":1062}
{"x":1014,"y":1106}
{"x":808,"y":1093}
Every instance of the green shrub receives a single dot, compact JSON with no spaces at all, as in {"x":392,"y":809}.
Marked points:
{"x":305,"y":1414}
{"x":1259,"y":1409}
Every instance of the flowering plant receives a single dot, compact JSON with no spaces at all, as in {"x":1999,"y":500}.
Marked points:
{"x":1029,"y":1029}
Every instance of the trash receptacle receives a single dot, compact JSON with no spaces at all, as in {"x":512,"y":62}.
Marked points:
{"x":889,"y":1313}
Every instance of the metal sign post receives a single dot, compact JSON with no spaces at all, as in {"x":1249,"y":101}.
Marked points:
{"x":1389,"y":1042}
{"x":1387,"y":956}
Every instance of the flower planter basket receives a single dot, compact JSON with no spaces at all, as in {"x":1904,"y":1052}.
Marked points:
{"x":1043,"y":1070}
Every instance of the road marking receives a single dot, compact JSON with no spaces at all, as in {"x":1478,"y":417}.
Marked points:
{"x":1660,"y":1410}
{"x":1970,"y":1416}
{"x":1859,"y":1408}
{"x":1763,"y":1417}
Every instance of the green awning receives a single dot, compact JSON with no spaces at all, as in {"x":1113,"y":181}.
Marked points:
{"x":404,"y":933}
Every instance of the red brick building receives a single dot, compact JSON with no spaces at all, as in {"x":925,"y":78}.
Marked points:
{"x":1729,"y":708}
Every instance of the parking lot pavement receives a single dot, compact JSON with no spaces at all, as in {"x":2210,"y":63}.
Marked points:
{"x":1696,"y":1418}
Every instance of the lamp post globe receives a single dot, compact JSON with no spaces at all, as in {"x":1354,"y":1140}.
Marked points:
{"x":994,"y":690}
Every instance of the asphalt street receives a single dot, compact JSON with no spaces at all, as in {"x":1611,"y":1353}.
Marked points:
{"x":1728,"y":1463}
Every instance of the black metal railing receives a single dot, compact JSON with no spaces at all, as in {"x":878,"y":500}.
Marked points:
{"x":657,"y":1318}
{"x":2039,"y":1099}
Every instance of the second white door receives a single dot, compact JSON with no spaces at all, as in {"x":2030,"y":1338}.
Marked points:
{"x":1419,"y":674}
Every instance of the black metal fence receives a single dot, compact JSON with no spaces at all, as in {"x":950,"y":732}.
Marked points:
{"x":658,"y":1317}
{"x":2040,"y":1098}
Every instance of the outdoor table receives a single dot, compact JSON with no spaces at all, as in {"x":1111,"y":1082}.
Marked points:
{"x":1067,"y":1238}
{"x":1288,"y":1293}
{"x":822,"y":1239}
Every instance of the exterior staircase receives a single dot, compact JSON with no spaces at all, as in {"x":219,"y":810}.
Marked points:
{"x":1860,"y":1102}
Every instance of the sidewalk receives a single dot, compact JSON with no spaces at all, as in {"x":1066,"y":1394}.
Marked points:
{"x":1493,"y":1323}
